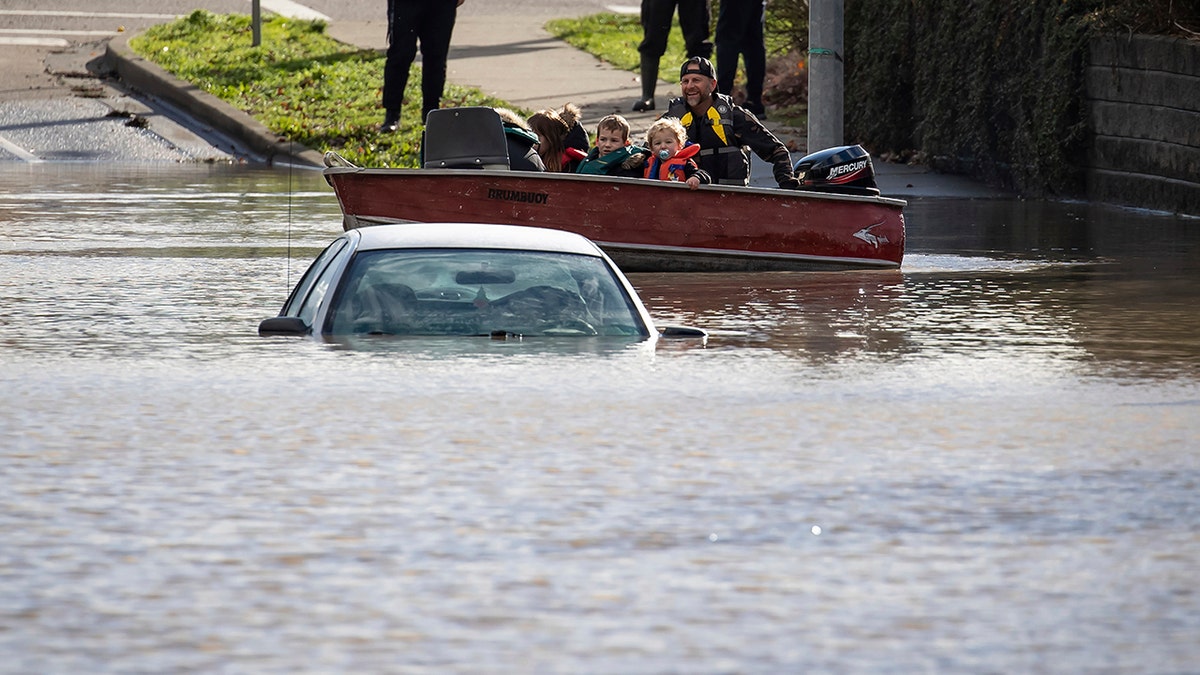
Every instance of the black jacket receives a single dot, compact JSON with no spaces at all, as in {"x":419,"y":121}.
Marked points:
{"x":522,"y":149}
{"x":728,"y":160}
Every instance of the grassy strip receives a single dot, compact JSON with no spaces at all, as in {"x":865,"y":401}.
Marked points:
{"x":299,"y":82}
{"x":614,"y":38}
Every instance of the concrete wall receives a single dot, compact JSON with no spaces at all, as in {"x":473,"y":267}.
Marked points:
{"x":1143,"y":100}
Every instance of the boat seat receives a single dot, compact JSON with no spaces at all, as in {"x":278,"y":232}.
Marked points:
{"x":465,"y":138}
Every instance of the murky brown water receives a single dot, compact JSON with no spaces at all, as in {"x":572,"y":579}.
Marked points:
{"x":985,"y":462}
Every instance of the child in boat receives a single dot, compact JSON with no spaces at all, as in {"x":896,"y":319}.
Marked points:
{"x":552,"y":131}
{"x":614,"y":155}
{"x":577,"y":137}
{"x":671,"y":156}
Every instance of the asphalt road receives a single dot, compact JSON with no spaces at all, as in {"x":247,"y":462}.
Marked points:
{"x":54,"y":107}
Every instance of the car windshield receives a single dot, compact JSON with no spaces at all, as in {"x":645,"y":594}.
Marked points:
{"x":481,"y":292}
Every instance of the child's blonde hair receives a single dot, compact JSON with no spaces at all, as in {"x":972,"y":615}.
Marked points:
{"x":668,"y":125}
{"x":615,"y":123}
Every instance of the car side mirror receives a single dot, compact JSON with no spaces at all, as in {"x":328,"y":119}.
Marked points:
{"x":282,"y":325}
{"x":682,"y":332}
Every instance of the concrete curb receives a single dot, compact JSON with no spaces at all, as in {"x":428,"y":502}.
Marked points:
{"x":146,"y":77}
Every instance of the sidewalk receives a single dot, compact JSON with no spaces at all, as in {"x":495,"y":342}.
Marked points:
{"x":513,"y":58}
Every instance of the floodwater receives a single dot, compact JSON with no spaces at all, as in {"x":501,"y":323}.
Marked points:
{"x":987,"y":461}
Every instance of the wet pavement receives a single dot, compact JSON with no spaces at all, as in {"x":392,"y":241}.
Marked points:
{"x":109,"y":126}
{"x":56,"y":105}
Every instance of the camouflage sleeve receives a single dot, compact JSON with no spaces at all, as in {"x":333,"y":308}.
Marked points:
{"x":691,"y":169}
{"x":769,"y":148}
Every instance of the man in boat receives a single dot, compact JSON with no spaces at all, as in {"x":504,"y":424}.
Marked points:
{"x":725,"y":131}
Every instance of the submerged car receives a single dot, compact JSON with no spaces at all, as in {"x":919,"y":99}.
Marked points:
{"x":436,"y":279}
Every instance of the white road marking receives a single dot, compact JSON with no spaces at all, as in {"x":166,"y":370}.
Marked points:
{"x":287,"y":8}
{"x":50,"y":31}
{"x":34,"y":42}
{"x":19,"y":151}
{"x":85,"y":15}
{"x":293,"y":10}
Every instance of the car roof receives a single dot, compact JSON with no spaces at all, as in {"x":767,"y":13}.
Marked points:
{"x":473,"y":235}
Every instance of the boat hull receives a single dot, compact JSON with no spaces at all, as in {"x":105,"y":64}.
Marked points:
{"x":643,"y":225}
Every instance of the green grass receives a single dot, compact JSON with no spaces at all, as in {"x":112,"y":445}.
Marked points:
{"x":300,"y":83}
{"x":614,"y":38}
{"x":309,"y":88}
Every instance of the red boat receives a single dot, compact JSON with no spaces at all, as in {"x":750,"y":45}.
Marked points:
{"x":644,"y":225}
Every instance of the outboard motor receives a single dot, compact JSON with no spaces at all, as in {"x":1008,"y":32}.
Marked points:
{"x":846,"y":169}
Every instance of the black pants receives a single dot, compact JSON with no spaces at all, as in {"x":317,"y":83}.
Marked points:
{"x":694,"y":23}
{"x":430,"y":22}
{"x":740,"y":31}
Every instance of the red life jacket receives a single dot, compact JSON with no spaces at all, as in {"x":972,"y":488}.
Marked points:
{"x":573,"y":155}
{"x":572,"y":158}
{"x":672,"y":168}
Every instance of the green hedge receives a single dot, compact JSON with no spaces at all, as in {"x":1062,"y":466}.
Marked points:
{"x":989,"y":88}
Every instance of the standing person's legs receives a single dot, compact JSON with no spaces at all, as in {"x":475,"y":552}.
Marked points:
{"x":695,"y":22}
{"x":403,"y":18}
{"x":728,"y":43}
{"x":656,"y":27}
{"x":754,"y":54}
{"x":436,"y":29}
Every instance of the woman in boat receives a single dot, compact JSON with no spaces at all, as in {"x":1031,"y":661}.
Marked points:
{"x":522,"y":142}
{"x":552,"y":131}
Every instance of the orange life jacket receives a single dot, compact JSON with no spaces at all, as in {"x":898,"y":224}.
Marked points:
{"x":671,"y":168}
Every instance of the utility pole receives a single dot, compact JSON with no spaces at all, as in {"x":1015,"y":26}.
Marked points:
{"x":256,"y":22}
{"x":825,"y":74}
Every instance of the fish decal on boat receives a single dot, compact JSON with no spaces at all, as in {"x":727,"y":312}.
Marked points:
{"x":872,"y":239}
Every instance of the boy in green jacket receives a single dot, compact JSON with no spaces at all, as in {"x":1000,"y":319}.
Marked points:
{"x":613,"y":154}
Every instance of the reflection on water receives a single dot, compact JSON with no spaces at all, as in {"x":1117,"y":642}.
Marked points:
{"x":983,"y":462}
{"x":1083,"y":316}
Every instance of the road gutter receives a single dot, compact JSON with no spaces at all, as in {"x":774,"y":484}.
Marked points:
{"x":148,"y":78}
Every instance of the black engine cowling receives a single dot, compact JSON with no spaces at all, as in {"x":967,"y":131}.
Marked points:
{"x":846,"y":169}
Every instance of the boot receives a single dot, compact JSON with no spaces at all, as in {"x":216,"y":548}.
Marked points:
{"x":649,"y":81}
{"x":391,"y":121}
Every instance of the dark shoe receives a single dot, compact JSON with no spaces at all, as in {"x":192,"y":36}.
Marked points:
{"x":391,"y":122}
{"x":757,"y":108}
{"x":643,"y":105}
